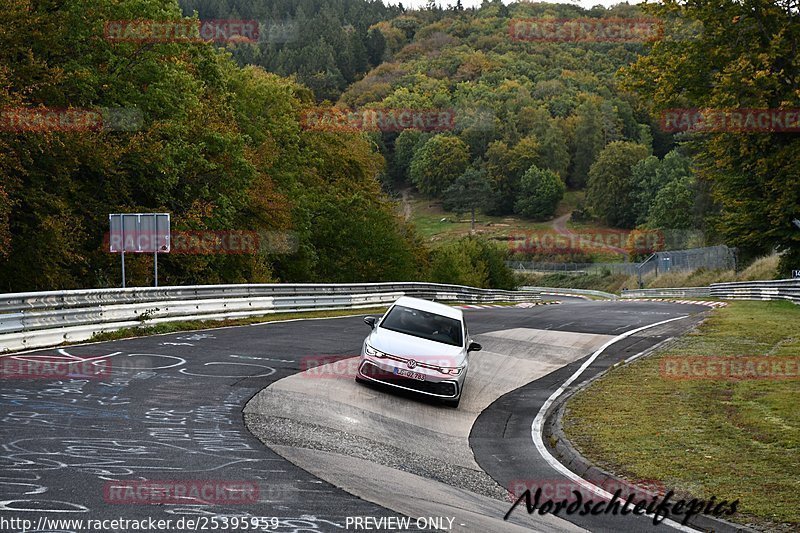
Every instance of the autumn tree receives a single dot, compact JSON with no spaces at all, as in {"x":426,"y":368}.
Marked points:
{"x":728,"y":55}
{"x":218,"y":146}
{"x":438,"y":163}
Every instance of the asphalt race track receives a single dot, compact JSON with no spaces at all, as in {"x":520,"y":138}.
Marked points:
{"x":168,"y":410}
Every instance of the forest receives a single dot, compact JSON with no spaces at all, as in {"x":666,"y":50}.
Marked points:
{"x":535,"y":119}
{"x":222,"y":143}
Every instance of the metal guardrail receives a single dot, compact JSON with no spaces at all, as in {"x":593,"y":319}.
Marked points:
{"x":685,"y":292}
{"x":35,"y":320}
{"x":784,"y":289}
{"x":560,"y":291}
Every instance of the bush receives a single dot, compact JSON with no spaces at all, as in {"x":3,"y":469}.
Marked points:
{"x":789,"y":261}
{"x":474,"y":262}
{"x":580,"y":213}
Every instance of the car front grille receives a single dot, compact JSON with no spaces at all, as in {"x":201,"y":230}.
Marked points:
{"x":444,"y":389}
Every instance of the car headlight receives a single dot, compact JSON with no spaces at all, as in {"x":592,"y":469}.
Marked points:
{"x":372,"y":352}
{"x":452,"y":371}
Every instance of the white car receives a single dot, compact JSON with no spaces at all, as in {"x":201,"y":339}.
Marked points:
{"x":418,"y":346}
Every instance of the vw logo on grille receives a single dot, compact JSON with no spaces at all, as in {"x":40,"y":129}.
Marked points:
{"x":411,"y":363}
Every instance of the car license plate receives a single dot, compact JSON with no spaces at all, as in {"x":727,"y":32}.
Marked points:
{"x":409,"y":374}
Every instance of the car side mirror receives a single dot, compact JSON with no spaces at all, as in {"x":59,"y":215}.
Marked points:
{"x":474,"y":347}
{"x":370,"y":321}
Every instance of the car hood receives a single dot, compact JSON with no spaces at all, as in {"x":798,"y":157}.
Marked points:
{"x":408,"y":346}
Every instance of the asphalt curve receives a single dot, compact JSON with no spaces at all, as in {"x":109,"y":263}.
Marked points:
{"x":168,"y":409}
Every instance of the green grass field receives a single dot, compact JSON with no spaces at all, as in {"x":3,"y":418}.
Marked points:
{"x":438,"y":226}
{"x":427,"y":216}
{"x":730,"y":439}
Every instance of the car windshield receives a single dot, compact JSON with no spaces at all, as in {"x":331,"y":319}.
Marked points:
{"x":423,"y":324}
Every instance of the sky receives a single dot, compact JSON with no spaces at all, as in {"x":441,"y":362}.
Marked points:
{"x":475,"y":3}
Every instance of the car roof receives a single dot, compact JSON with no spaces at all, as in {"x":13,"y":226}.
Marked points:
{"x":431,"y":307}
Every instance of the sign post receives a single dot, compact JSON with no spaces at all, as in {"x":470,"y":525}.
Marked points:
{"x":140,"y":233}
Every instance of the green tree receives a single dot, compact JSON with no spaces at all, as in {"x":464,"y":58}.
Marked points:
{"x":554,"y":152}
{"x":612,"y":191}
{"x":588,"y":141}
{"x":471,"y":191}
{"x":438,"y":163}
{"x":744,"y":57}
{"x":540,"y":192}
{"x":505,"y":168}
{"x":651,"y":174}
{"x":674,"y":205}
{"x":405,"y":146}
{"x":376,"y":46}
{"x":220,"y":147}
{"x":498,"y":160}
{"x":359,"y":58}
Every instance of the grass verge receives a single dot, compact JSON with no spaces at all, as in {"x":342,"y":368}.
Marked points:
{"x":723,"y":438}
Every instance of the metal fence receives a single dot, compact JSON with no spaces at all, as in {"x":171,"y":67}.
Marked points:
{"x":39,"y":319}
{"x":531,"y":267}
{"x":711,"y":258}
